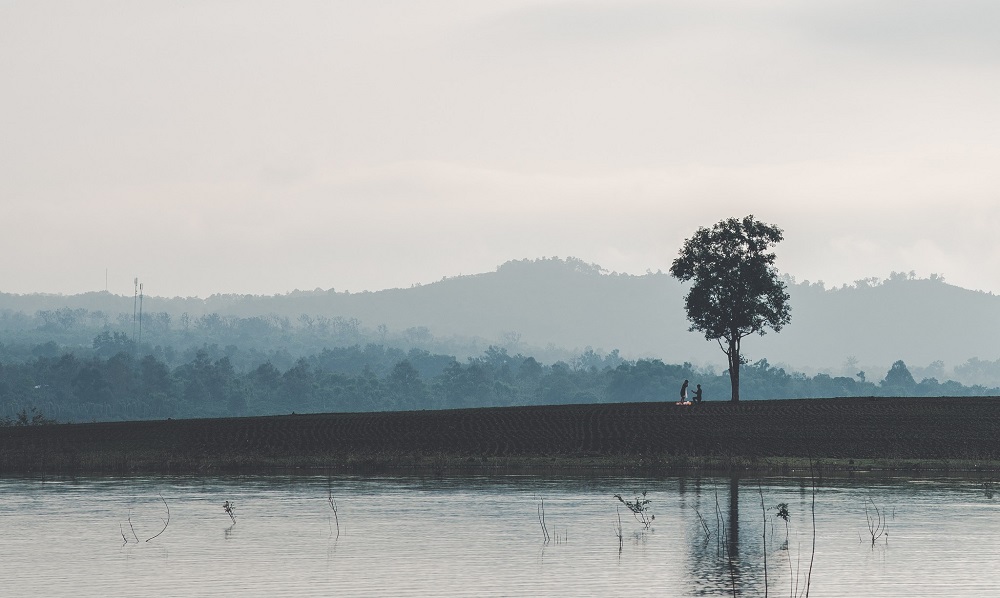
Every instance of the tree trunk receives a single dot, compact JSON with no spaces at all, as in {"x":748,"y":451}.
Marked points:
{"x":734,"y":366}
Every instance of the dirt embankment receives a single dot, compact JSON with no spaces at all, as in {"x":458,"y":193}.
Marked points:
{"x":768,"y":433}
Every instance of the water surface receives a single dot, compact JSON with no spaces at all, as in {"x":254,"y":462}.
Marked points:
{"x":482,"y":536}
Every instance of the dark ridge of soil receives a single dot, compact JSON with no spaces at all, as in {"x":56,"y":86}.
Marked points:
{"x":641,"y":434}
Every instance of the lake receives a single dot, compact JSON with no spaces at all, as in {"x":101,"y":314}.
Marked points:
{"x":483,"y":536}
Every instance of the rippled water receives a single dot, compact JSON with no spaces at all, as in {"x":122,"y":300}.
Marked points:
{"x":482,"y":537}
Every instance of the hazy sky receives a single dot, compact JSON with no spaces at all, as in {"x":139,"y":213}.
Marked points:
{"x":257,"y":147}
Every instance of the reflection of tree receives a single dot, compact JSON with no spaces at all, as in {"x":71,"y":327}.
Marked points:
{"x":716,"y":562}
{"x":733,"y":539}
{"x":725,"y":560}
{"x":734,"y":516}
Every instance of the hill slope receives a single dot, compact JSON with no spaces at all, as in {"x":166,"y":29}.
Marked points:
{"x":566,"y":303}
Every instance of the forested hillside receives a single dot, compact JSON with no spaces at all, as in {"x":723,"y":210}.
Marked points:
{"x":551,"y":309}
{"x":510,"y":337}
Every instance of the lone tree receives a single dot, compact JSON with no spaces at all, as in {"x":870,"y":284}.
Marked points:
{"x":736,"y":289}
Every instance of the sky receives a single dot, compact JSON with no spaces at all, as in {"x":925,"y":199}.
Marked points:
{"x":257,"y":147}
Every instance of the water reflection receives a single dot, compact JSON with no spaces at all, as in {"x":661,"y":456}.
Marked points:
{"x":728,"y":542}
{"x":480,"y":536}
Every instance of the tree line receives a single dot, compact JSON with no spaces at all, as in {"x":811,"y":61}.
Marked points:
{"x":73,"y":388}
{"x":246,"y":340}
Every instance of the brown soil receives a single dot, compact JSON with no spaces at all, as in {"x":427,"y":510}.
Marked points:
{"x":751,"y":433}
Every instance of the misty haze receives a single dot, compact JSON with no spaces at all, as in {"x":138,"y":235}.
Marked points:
{"x":511,"y":334}
{"x":519,"y":298}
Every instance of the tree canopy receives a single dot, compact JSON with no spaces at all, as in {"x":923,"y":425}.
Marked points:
{"x":737,"y":290}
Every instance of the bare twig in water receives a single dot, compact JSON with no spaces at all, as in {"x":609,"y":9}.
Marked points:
{"x":798,"y":567}
{"x":333,"y":505}
{"x":130,"y":526}
{"x":812,"y":557}
{"x":708,"y":533}
{"x":618,"y":530}
{"x":230,"y":508}
{"x":876,"y":522}
{"x":541,"y":520}
{"x":166,"y":521}
{"x":639,"y":508}
{"x":763,"y":513}
{"x":782,"y":513}
{"x":718,"y":526}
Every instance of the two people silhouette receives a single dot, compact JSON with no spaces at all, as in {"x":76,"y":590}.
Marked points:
{"x":684,"y":393}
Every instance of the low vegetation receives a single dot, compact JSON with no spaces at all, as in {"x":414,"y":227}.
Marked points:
{"x":640,"y":509}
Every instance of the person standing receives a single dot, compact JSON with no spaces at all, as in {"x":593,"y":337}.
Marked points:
{"x":684,"y":392}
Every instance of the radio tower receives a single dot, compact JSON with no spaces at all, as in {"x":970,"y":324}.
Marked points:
{"x":135,"y":304}
{"x":140,"y":318}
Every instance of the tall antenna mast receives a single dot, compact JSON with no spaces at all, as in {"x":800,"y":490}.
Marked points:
{"x":135,"y":303}
{"x":140,"y":318}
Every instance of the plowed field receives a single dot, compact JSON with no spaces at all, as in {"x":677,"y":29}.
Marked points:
{"x":966,"y":428}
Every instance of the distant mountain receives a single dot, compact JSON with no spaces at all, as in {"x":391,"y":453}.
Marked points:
{"x":574,"y":305}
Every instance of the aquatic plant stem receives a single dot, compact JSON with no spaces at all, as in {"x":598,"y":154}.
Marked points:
{"x":130,"y":526}
{"x":166,"y":521}
{"x":812,"y":557}
{"x":763,"y":513}
{"x":618,"y":530}
{"x":541,"y":520}
{"x":333,"y":505}
{"x":708,"y":533}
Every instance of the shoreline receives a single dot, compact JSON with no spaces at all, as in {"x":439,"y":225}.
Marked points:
{"x":841,"y":435}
